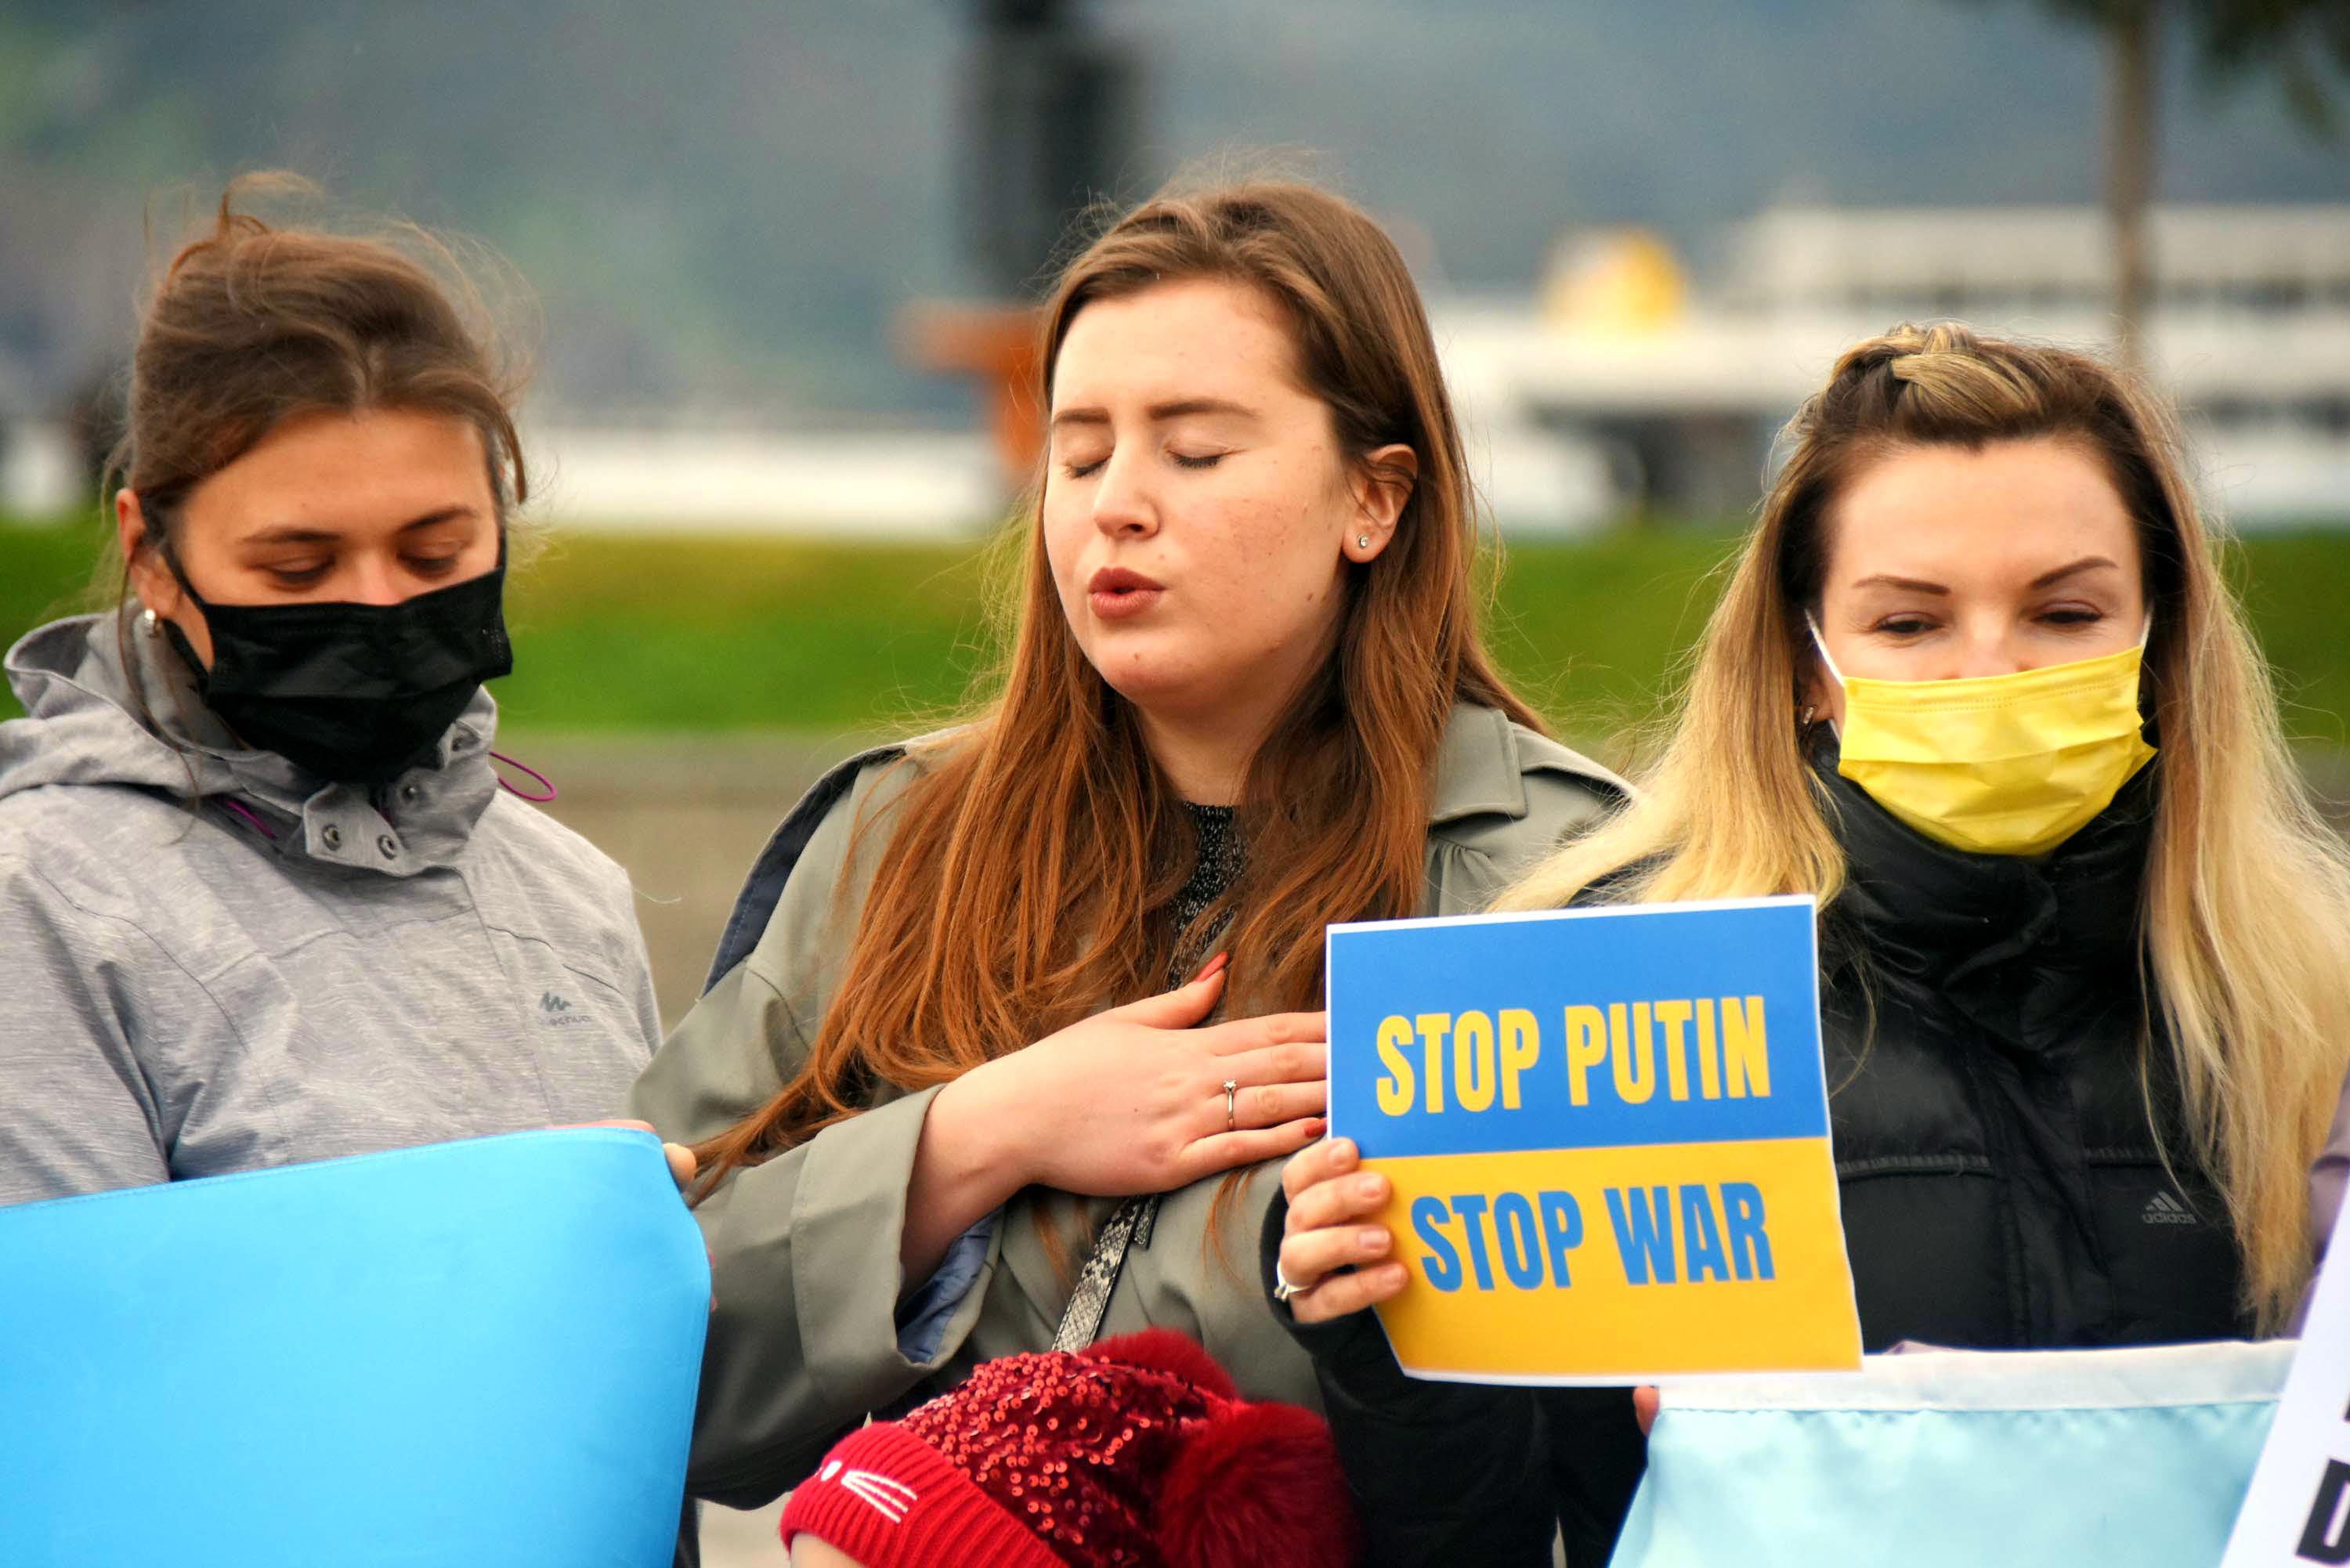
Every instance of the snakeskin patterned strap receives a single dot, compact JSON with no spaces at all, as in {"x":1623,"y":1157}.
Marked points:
{"x":1128,"y":1226}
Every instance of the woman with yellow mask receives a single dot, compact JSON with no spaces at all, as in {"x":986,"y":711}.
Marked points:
{"x":1977,"y":682}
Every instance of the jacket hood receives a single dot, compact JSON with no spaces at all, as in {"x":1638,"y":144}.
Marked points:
{"x":84,"y":725}
{"x":93,"y":720}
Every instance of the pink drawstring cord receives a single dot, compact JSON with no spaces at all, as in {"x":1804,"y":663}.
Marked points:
{"x":237,"y":807}
{"x":544,"y":782}
{"x":228,"y":802}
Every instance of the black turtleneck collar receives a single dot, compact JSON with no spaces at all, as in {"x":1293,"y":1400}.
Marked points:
{"x":2019,"y":944}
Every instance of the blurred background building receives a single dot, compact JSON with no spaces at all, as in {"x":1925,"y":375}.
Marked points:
{"x":1667,"y":392}
{"x":771,"y":246}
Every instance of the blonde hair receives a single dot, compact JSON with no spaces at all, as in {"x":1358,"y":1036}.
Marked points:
{"x":2245,"y":911}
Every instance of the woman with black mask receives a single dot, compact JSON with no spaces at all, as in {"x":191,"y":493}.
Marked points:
{"x":261,"y":898}
{"x":1978,"y":682}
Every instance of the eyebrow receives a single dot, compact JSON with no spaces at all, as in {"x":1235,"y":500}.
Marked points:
{"x":1919,"y":585}
{"x":1159,"y":413}
{"x":294,"y":534}
{"x":2086,"y":564}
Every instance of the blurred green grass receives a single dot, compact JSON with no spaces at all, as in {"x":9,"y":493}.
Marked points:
{"x":648,"y":635}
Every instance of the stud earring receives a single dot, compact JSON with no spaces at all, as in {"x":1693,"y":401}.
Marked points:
{"x":148,"y":623}
{"x":1362,"y":541}
{"x":1809,"y":714}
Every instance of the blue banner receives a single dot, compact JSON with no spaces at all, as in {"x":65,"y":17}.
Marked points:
{"x":467,"y":1353}
{"x":1578,"y":1029}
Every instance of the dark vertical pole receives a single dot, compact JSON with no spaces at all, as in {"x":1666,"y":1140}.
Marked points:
{"x":2134,"y":49}
{"x":1048,"y":128}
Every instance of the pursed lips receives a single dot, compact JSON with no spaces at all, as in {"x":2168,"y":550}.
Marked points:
{"x":1120,"y":593}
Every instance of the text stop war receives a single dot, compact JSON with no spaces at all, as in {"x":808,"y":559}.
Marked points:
{"x":1692,"y":1234}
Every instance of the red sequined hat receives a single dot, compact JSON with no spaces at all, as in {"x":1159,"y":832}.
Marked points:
{"x":1139,"y":1453}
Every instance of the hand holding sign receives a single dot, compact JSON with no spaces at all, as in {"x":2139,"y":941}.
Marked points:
{"x":1606,"y":1136}
{"x":682,"y":1167}
{"x":1332,"y":1200}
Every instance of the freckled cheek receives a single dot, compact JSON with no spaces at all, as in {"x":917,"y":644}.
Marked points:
{"x":1240,"y":565}
{"x":1274,"y":529}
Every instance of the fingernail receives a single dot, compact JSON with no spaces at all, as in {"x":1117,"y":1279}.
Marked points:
{"x":1371,"y":1185}
{"x":1316,"y":1127}
{"x":1372,"y":1239}
{"x":1342,"y":1152}
{"x":1213,"y":966}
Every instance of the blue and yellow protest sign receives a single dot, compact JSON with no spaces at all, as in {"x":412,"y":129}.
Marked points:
{"x":1607,"y":1131}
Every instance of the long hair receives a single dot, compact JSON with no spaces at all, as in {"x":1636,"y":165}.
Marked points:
{"x":2245,"y":916}
{"x":1031,"y":863}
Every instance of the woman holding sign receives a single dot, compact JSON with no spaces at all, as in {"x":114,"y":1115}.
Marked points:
{"x":951,"y":1109}
{"x":1977,"y":682}
{"x":261,"y":895}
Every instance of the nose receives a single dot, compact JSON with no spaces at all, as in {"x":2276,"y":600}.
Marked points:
{"x":1992,"y":649}
{"x":373,"y":582}
{"x":1124,"y":507}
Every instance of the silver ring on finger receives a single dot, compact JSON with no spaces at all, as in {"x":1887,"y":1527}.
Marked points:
{"x":1282,"y":1289}
{"x":1232,"y":1116}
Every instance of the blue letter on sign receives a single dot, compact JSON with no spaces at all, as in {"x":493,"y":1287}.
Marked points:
{"x":1750,"y":1248}
{"x":1644,"y":1234}
{"x":1428,"y":1218}
{"x":1700,"y":1238}
{"x":1562,"y":1231}
{"x":1514,"y":1227}
{"x":1471,"y":1206}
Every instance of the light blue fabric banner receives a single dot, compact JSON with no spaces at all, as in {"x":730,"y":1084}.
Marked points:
{"x":480,"y":1354}
{"x":1956,"y":1459}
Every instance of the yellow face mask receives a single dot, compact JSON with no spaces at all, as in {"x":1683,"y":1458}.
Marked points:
{"x":1996,"y":765}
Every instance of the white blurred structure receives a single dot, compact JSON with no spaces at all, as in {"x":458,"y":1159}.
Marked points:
{"x":686,"y":478}
{"x":2251,"y":333}
{"x":1619,"y":385}
{"x":669,"y":478}
{"x":698,"y":479}
{"x":41,"y":472}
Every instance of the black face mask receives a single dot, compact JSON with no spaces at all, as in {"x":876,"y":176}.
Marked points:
{"x":357,"y":693}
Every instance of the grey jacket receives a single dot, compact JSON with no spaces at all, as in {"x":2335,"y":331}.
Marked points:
{"x":805,"y":1339}
{"x":188,"y":989}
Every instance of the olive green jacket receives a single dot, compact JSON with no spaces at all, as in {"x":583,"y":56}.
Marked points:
{"x":803,"y":1340}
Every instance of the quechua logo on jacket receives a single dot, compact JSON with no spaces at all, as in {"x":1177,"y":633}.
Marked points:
{"x":554,"y":1011}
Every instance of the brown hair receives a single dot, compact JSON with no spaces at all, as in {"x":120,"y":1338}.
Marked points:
{"x":1027,"y":882}
{"x":250,"y":326}
{"x":2245,"y":917}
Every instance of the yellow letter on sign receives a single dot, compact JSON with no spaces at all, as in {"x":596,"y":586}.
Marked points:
{"x":1586,"y":1047}
{"x":1520,"y":1046}
{"x":1396,"y":1087}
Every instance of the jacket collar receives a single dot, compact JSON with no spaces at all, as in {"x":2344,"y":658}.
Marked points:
{"x":87,"y":724}
{"x":1483,"y":761}
{"x":2005,"y":937}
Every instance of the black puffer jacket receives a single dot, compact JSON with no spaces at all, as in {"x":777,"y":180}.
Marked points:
{"x":2003,"y":1183}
